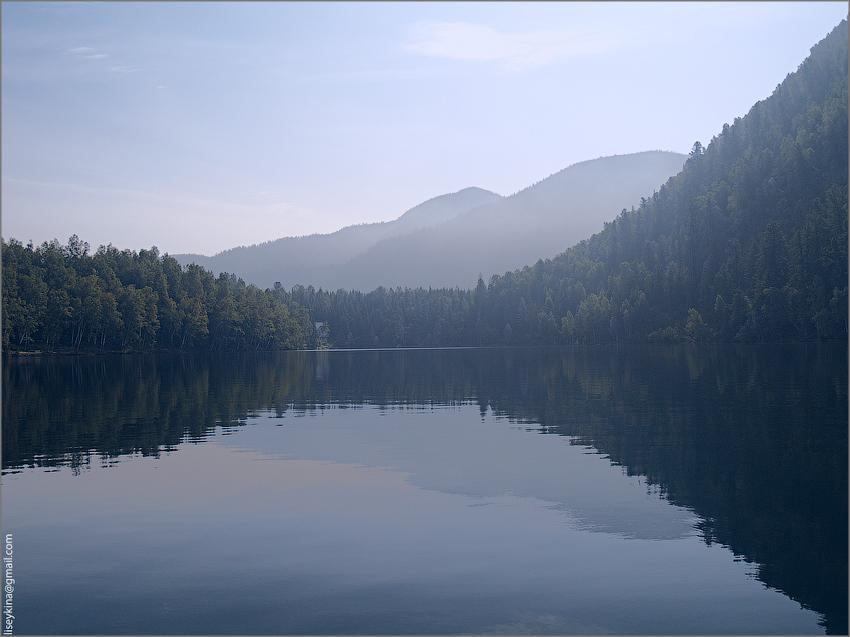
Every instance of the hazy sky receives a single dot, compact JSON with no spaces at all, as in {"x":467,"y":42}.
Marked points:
{"x":196,"y":127}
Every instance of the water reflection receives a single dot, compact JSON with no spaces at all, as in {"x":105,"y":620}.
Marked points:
{"x":749,"y":443}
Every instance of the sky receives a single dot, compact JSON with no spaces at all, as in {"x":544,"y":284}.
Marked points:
{"x":201,"y":126}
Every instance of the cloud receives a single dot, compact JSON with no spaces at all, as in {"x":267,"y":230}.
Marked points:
{"x":514,"y":50}
{"x":90,"y":53}
{"x":87,"y":53}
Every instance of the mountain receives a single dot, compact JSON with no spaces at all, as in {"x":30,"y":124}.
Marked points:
{"x":748,"y":242}
{"x":536,"y":222}
{"x":450,"y":240}
{"x":294,"y":259}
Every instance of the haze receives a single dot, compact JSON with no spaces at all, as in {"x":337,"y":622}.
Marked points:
{"x":197,"y":127}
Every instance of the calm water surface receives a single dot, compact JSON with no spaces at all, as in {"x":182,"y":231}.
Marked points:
{"x":639,"y":490}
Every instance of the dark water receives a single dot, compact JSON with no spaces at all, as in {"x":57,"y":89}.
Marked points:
{"x":645,"y":490}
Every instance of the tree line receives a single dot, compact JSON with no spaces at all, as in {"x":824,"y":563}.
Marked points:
{"x":62,"y":297}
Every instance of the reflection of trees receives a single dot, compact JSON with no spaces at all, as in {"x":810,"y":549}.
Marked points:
{"x":753,"y":440}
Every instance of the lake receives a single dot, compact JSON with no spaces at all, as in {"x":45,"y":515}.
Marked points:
{"x":651,"y":489}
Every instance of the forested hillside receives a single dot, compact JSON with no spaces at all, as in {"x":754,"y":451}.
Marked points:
{"x":61,"y":297}
{"x":748,"y":242}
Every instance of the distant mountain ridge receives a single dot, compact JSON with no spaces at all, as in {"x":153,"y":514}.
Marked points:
{"x":451,"y":239}
{"x":539,"y":221}
{"x":289,"y":258}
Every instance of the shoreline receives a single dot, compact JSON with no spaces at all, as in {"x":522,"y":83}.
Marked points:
{"x":63,"y":353}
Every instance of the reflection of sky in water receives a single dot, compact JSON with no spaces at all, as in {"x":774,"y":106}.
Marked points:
{"x":367,"y":520}
{"x":455,"y":450}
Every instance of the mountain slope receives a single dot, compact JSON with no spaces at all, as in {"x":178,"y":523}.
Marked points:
{"x":291,"y":260}
{"x":751,"y":235}
{"x":450,"y":240}
{"x":538,"y":221}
